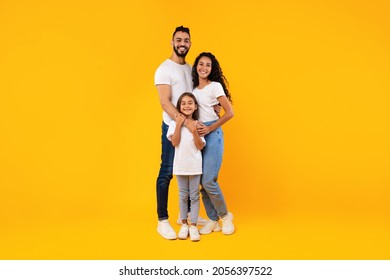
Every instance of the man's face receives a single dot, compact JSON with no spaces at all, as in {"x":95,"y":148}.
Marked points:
{"x":181,"y":43}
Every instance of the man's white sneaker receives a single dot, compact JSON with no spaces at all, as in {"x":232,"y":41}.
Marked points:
{"x":194,"y":234}
{"x":227,"y":224}
{"x":165,"y":230}
{"x":209,"y":227}
{"x":183,"y":233}
{"x":201,"y":221}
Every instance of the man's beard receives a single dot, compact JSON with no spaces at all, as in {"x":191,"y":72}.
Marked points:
{"x":180,"y":54}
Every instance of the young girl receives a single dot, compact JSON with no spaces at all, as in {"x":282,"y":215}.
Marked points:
{"x":210,"y":89}
{"x":187,"y":163}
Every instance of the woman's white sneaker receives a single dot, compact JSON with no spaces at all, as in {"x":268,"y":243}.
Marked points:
{"x":227,"y":224}
{"x":209,"y":227}
{"x":194,"y":234}
{"x":183,"y":233}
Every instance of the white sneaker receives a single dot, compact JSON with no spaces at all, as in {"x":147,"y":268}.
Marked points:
{"x":194,"y":234}
{"x":165,"y":230}
{"x":209,"y":227}
{"x":227,"y":224}
{"x":201,"y":221}
{"x":183,"y":233}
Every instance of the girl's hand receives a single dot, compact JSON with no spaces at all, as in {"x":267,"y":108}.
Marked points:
{"x":180,"y":119}
{"x":203,"y":129}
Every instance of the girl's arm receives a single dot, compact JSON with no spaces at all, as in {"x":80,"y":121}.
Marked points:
{"x":198,"y":142}
{"x":176,"y":136}
{"x":192,"y":126}
{"x":227,"y":107}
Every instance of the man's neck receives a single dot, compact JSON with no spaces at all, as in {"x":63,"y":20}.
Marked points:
{"x":178,"y":59}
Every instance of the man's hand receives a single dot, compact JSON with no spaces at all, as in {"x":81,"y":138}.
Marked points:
{"x":217,"y":109}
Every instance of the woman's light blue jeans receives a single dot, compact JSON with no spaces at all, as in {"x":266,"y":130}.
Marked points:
{"x":212,"y":196}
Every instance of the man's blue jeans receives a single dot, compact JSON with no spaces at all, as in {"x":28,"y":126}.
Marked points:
{"x":165,"y":174}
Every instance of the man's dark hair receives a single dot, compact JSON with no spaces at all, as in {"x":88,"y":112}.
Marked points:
{"x":182,"y":29}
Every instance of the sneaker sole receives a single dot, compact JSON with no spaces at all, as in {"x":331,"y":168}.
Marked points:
{"x":213,"y":230}
{"x":165,"y":236}
{"x":228,"y":233}
{"x":182,"y":238}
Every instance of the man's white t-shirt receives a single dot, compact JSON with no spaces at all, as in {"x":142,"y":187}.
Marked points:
{"x":188,"y":159}
{"x":176,"y":75}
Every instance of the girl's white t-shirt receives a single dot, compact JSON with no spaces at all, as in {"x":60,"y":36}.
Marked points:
{"x":188,"y":159}
{"x":207,"y":97}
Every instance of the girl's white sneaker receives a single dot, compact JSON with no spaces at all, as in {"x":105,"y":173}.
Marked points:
{"x":183,"y":233}
{"x":194,"y":234}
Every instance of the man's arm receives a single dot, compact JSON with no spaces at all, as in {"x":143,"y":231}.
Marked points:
{"x":164,"y":92}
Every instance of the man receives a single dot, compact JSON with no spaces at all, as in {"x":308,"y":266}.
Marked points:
{"x":172,"y":78}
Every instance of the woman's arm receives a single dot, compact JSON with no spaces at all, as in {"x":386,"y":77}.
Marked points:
{"x":227,"y":107}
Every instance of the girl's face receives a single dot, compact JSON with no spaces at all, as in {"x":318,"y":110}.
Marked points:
{"x":204,"y":67}
{"x":187,"y":106}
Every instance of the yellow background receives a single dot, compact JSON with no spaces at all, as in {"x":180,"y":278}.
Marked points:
{"x":306,"y":163}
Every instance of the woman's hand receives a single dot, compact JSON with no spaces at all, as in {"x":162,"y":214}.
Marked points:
{"x":203,"y":129}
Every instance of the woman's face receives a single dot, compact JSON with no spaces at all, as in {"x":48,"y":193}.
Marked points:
{"x":204,"y":67}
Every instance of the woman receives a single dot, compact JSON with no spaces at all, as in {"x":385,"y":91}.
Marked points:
{"x":210,"y":89}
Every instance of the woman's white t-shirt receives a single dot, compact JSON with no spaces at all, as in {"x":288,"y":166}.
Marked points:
{"x":207,"y":97}
{"x":188,"y":159}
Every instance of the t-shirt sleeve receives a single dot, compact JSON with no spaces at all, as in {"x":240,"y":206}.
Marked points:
{"x":218,"y":90}
{"x":171,"y":129}
{"x":162,"y":76}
